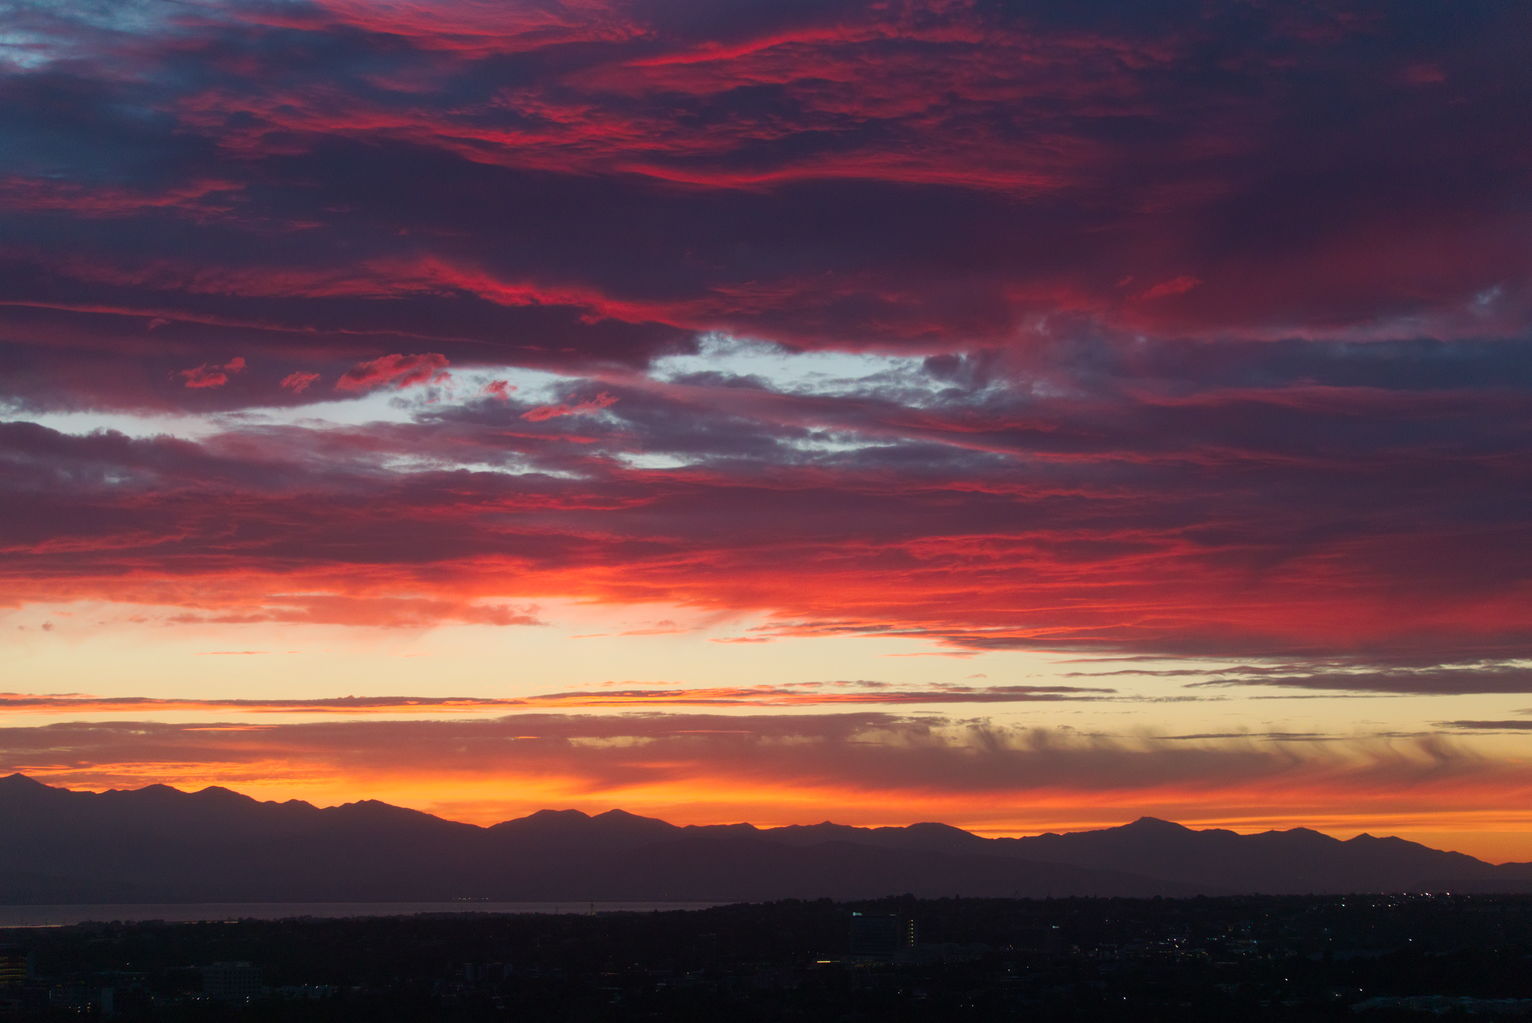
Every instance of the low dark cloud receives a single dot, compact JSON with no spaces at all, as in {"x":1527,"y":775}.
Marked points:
{"x":630,"y":696}
{"x":867,"y":752}
{"x":1485,"y":726}
{"x":1448,"y":681}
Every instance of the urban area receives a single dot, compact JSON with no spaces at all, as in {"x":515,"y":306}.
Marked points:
{"x":1373,"y":958}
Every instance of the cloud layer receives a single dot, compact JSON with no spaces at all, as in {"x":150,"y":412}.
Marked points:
{"x":784,"y":695}
{"x":312,"y":181}
{"x":868,"y":766}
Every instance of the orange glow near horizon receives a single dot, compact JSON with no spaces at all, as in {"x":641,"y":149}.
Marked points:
{"x":1476,"y":824}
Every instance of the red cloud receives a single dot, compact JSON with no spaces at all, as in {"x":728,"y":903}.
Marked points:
{"x":1174,"y":286}
{"x":298,"y":381}
{"x":469,"y":30}
{"x":1423,"y":74}
{"x":393,"y":612}
{"x":542,"y":412}
{"x":399,"y":370}
{"x":208,"y":375}
{"x":499,"y":390}
{"x":855,"y":181}
{"x":928,"y":532}
{"x":874,"y":158}
{"x":198,"y":199}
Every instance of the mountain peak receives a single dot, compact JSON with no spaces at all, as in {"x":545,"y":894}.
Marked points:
{"x":544,"y":820}
{"x":561,"y":828}
{"x":21,"y":781}
{"x":371,"y":808}
{"x":1156,"y":825}
{"x":822,"y":828}
{"x":631,"y":820}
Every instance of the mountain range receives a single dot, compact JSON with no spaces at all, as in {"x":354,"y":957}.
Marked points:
{"x":159,"y":844}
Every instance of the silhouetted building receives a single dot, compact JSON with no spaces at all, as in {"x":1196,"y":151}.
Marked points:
{"x":231,"y":982}
{"x":880,"y":936}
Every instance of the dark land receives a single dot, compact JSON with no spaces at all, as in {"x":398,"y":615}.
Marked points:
{"x":1148,"y":921}
{"x":1241,"y":958}
{"x":161,"y":845}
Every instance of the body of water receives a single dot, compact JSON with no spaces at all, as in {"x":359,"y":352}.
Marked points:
{"x":191,"y":912}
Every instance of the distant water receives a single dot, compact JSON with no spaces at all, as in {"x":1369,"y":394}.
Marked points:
{"x":192,"y":912}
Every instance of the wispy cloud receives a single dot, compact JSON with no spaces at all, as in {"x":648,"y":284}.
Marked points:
{"x":785,"y":695}
{"x":883,"y":763}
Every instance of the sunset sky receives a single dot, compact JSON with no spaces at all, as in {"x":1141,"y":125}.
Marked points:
{"x":1026,"y":415}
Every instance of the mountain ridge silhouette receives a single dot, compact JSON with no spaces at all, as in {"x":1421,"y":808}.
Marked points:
{"x":160,"y":844}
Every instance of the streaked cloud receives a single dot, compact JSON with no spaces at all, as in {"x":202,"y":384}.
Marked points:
{"x":784,"y":695}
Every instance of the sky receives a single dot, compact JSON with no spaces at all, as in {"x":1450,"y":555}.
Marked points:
{"x":1025,"y":415}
